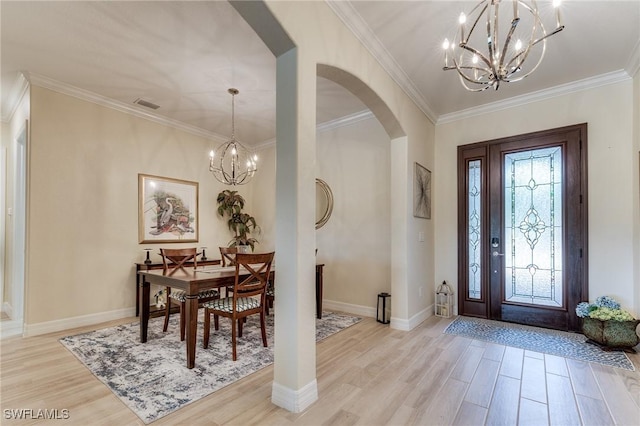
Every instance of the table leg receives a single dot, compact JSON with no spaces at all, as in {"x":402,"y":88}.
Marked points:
{"x":143,"y":296}
{"x":191,"y":322}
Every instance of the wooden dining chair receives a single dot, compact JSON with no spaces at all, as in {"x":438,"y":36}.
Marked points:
{"x":228,"y":258}
{"x":248,"y":298}
{"x":174,"y":260}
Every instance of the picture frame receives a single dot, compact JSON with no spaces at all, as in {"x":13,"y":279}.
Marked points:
{"x":422,"y":192}
{"x":167,"y":210}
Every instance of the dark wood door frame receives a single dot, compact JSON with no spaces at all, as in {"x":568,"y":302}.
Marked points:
{"x":575,"y":207}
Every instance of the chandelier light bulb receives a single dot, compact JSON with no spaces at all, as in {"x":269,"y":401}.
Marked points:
{"x":518,"y":45}
{"x":475,"y":59}
{"x":211,"y":154}
{"x":557,"y":3}
{"x":445,"y":44}
{"x":462,"y":18}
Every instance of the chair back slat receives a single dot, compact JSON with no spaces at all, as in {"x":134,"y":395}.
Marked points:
{"x":259,"y":267}
{"x":175,"y":259}
{"x":228,"y":256}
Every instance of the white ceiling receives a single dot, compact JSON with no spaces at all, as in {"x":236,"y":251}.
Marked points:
{"x":184,"y":56}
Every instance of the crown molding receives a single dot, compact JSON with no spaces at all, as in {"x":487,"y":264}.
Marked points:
{"x":552,"y":92}
{"x":354,"y":22}
{"x":86,"y":95}
{"x":18,"y":90}
{"x":347,"y":120}
{"x":633,"y":64}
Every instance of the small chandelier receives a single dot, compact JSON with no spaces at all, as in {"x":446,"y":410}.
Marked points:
{"x":231,"y":163}
{"x":507,"y":51}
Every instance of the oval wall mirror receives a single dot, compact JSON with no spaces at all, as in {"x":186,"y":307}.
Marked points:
{"x":324,"y":203}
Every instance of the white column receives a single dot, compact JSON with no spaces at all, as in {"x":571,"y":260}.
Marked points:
{"x":295,"y":386}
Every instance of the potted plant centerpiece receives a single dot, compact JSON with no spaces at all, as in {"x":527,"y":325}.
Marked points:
{"x":230,"y":204}
{"x":606,"y":324}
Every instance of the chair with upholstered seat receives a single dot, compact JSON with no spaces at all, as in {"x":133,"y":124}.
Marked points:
{"x":174,"y":260}
{"x":248,"y":298}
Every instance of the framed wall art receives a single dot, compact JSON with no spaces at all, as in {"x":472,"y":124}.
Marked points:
{"x":422,"y":192}
{"x":167,"y":210}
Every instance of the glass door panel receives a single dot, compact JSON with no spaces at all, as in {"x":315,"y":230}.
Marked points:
{"x":474,"y":230}
{"x":533,"y":227}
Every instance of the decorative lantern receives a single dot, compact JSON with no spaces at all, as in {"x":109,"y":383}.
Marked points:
{"x":381,"y":314}
{"x":444,"y":300}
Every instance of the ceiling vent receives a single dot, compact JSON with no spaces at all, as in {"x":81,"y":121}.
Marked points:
{"x":147,"y":104}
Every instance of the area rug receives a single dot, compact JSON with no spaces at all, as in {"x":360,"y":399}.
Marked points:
{"x":569,"y":345}
{"x":152,"y":378}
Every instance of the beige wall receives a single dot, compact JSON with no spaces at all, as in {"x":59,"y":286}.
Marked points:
{"x":613,"y":187}
{"x":83,"y":238}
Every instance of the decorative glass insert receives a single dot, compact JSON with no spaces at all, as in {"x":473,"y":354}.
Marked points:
{"x":533,"y":227}
{"x":474,"y":220}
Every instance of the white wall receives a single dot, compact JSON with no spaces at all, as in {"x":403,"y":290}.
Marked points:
{"x":613,"y":187}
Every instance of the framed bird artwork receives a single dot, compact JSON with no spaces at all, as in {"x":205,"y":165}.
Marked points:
{"x":167,"y":210}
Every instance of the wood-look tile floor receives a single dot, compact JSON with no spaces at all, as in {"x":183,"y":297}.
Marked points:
{"x":367,"y":374}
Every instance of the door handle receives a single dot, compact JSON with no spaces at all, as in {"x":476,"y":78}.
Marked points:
{"x":496,"y":254}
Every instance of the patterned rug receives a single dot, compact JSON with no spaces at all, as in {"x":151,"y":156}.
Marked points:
{"x":569,"y":345}
{"x":152,"y":378}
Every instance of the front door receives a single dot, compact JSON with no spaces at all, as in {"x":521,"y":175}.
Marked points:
{"x":522,"y":228}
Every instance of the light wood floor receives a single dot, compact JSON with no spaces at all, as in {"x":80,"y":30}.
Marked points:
{"x":367,"y":375}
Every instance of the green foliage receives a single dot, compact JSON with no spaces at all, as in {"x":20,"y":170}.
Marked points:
{"x":230,"y":204}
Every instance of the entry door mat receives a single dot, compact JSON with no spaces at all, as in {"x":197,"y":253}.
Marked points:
{"x":152,"y":378}
{"x":553,"y":342}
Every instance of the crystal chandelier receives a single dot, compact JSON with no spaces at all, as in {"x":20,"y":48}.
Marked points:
{"x":231,"y":163}
{"x":513,"y":36}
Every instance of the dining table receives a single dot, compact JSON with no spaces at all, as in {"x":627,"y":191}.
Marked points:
{"x":192,"y":281}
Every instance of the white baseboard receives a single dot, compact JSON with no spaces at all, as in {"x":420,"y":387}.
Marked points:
{"x":74,"y":322}
{"x":413,"y":322}
{"x":364,"y":311}
{"x":10,"y":328}
{"x":295,"y":401}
